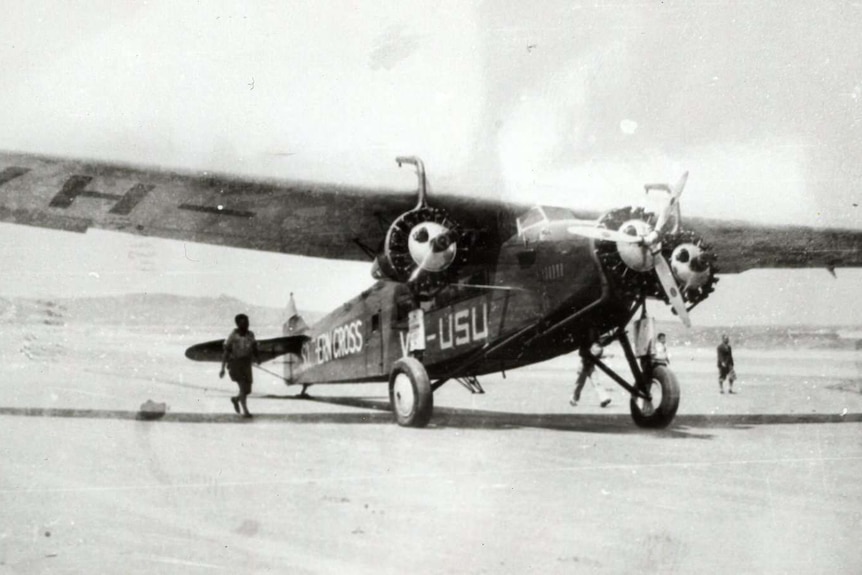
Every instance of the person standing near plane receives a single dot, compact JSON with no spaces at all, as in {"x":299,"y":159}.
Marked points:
{"x":659,"y":351}
{"x":725,"y":365}
{"x":240,"y":349}
{"x":587,"y":369}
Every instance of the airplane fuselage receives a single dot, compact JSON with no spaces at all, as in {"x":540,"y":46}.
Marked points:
{"x":534,"y":278}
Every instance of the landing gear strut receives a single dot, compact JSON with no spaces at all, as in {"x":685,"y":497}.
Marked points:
{"x":471,"y":384}
{"x":655,"y":393}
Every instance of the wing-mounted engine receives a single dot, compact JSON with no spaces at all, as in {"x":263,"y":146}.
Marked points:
{"x":424,"y":246}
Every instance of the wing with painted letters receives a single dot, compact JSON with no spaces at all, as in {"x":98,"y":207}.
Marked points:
{"x":323,"y":220}
{"x":742,"y":246}
{"x":296,"y":217}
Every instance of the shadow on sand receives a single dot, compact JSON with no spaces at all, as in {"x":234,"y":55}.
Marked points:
{"x":596,"y":422}
{"x":445,"y":417}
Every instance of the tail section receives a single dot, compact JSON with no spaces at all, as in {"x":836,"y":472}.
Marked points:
{"x":294,"y":325}
{"x":268,"y":349}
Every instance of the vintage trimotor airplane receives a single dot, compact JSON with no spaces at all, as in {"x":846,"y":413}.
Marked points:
{"x":465,"y":287}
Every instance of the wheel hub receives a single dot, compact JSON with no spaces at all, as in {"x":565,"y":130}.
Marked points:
{"x":403,"y":395}
{"x":648,"y":406}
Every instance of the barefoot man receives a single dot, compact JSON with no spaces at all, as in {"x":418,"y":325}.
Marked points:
{"x":240,"y":349}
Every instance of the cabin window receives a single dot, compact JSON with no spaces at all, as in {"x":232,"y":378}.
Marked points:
{"x":375,"y":322}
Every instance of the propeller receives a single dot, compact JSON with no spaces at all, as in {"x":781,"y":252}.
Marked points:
{"x":668,"y":284}
{"x":675,"y":193}
{"x":595,"y":233}
{"x":649,"y":239}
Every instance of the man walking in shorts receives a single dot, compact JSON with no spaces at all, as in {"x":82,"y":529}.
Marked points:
{"x":725,"y":365}
{"x":240,"y":349}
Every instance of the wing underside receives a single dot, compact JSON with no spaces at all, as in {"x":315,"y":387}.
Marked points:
{"x":297,"y":217}
{"x":322,"y":220}
{"x":743,"y":246}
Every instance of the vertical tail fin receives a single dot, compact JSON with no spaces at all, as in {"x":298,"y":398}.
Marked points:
{"x":294,"y":325}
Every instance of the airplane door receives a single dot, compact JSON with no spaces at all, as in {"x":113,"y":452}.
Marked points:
{"x":374,"y":342}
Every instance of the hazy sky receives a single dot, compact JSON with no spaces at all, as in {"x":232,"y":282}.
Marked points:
{"x":562,"y":102}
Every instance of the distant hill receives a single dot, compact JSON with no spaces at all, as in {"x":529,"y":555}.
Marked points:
{"x":765,"y":336}
{"x":145,"y":310}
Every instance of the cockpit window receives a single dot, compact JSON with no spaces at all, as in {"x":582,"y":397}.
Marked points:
{"x":555,"y":214}
{"x":530,"y":218}
{"x":543,"y":214}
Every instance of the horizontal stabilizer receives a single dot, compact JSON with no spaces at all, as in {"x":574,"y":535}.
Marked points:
{"x":268,"y":348}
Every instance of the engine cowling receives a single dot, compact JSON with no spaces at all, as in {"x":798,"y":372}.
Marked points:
{"x":422,"y":242}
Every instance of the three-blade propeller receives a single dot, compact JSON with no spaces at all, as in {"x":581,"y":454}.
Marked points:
{"x":650,"y":241}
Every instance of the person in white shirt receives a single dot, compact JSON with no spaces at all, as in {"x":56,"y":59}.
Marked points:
{"x":659,"y":351}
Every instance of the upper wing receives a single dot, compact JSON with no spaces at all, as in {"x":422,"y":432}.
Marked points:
{"x":321,"y":220}
{"x":742,"y":246}
{"x":303,"y":218}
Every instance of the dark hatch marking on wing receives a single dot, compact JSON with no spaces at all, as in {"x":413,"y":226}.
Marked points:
{"x":131,"y":199}
{"x":76,"y":186}
{"x":11,"y":173}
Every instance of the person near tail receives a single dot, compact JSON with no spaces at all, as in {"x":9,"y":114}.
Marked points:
{"x":240,"y":349}
{"x":586,"y":372}
{"x":725,"y":365}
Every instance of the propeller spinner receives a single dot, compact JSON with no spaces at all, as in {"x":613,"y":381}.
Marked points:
{"x":433,"y":248}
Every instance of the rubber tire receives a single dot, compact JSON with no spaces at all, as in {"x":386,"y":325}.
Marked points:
{"x":664,"y":413}
{"x":423,"y":406}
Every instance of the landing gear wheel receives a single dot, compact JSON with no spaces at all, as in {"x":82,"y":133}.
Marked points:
{"x":659,"y":412}
{"x":410,"y":393}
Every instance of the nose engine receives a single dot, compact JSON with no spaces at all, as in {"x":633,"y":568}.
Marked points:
{"x":649,"y":254}
{"x":634,"y":255}
{"x":631,"y":266}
